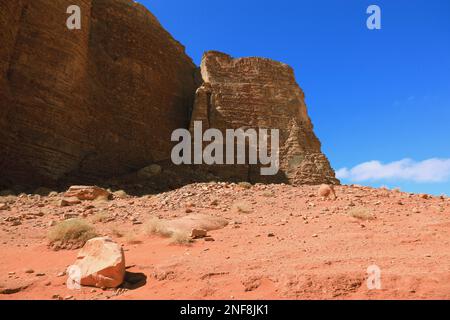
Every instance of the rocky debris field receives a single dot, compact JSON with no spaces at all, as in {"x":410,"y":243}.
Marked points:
{"x":225,"y":241}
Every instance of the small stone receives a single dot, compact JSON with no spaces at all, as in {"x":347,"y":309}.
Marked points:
{"x":209,"y":239}
{"x":102,"y":263}
{"x":198,"y":233}
{"x":315,"y":235}
{"x":29,"y":271}
{"x":326,"y":191}
{"x":270,"y":235}
{"x":87,"y":193}
{"x":66,"y":202}
{"x":72,"y":215}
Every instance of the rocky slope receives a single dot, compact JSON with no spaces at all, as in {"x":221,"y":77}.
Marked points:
{"x":87,"y":103}
{"x":261,"y":93}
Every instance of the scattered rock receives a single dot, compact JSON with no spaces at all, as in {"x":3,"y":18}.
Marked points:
{"x":150,"y":171}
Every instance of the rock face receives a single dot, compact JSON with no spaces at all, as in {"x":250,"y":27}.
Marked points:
{"x":261,"y":93}
{"x":102,"y":263}
{"x":89,"y":103}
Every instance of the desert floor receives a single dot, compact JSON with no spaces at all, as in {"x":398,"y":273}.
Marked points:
{"x":282,"y":242}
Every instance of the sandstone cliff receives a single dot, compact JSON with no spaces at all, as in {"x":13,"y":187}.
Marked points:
{"x":89,"y":103}
{"x":261,"y":93}
{"x":101,"y":102}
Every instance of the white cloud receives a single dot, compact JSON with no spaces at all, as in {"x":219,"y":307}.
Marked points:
{"x":431,"y":170}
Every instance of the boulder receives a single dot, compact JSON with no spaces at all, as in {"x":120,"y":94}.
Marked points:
{"x":102,"y":263}
{"x":194,"y":225}
{"x":259,"y":93}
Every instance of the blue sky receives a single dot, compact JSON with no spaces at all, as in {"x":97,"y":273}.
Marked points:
{"x":376,"y":96}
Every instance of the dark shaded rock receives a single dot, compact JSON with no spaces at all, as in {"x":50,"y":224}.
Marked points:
{"x":90,"y":103}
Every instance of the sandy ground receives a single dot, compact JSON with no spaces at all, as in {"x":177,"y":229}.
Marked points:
{"x":282,"y":242}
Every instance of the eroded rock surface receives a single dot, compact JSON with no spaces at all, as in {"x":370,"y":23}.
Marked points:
{"x":261,"y":93}
{"x":89,"y":103}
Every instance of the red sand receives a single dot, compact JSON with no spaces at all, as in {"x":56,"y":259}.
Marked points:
{"x":316,"y":249}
